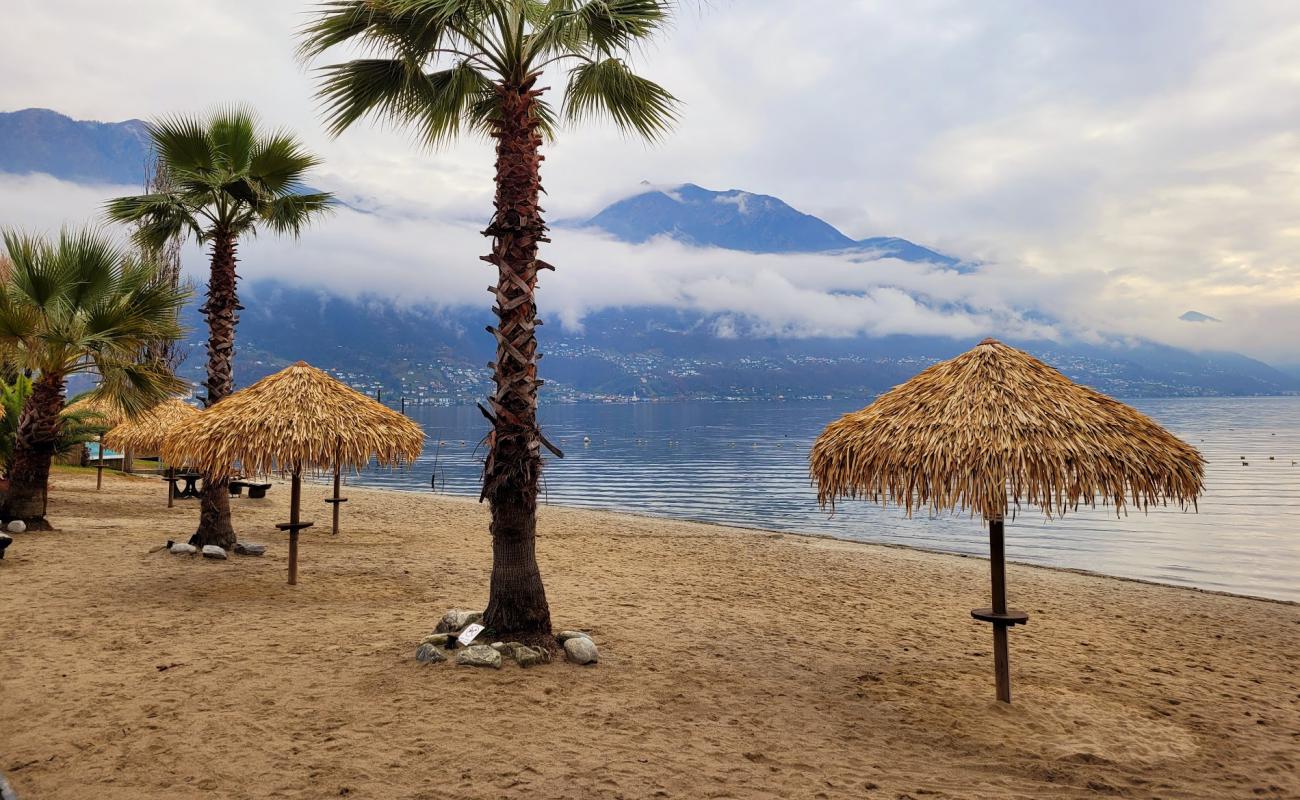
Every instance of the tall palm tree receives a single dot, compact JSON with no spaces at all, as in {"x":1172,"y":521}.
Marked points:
{"x":228,"y":180}
{"x":77,"y":305}
{"x":446,"y":65}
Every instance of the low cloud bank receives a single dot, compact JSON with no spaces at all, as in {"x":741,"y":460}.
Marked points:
{"x":414,"y":256}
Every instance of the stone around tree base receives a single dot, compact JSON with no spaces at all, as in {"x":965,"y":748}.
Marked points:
{"x":437,"y":639}
{"x":181,"y":548}
{"x":456,"y":619}
{"x":479,"y":655}
{"x":581,"y":650}
{"x":29,"y":524}
{"x":564,"y":636}
{"x":249,"y":549}
{"x":212,"y":551}
{"x":526,"y":656}
{"x":429,"y":654}
{"x":5,"y":541}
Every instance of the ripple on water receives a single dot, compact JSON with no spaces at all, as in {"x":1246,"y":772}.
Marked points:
{"x":678,"y":460}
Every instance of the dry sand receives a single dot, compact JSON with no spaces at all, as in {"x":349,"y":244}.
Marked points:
{"x":733,"y":664}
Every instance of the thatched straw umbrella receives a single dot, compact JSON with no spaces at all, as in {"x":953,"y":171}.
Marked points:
{"x":995,"y":424}
{"x":109,"y":414}
{"x":147,"y":432}
{"x":299,"y":419}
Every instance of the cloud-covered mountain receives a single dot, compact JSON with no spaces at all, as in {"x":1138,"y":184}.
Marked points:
{"x":41,"y":140}
{"x":740,"y":220}
{"x":428,"y":351}
{"x":726,"y":293}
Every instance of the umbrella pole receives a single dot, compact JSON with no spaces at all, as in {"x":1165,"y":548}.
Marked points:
{"x":171,"y":486}
{"x":998,"y":614}
{"x":295,"y":496}
{"x":336,"y":501}
{"x":998,"y":567}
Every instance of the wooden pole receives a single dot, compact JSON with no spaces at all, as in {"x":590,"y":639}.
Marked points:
{"x":335,"y":531}
{"x":998,"y":568}
{"x":99,"y":472}
{"x":403,"y":404}
{"x":171,"y":486}
{"x":295,"y":496}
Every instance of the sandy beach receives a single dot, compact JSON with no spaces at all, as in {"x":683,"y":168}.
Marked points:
{"x":733,"y":664}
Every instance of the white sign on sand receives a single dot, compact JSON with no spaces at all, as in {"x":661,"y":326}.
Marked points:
{"x":467,"y":635}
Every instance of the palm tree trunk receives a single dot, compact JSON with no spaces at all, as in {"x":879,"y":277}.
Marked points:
{"x":517,"y":605}
{"x":38,"y":435}
{"x":221,"y":311}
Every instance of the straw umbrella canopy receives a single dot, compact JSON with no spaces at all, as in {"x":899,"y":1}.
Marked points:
{"x":109,"y":412}
{"x":990,"y":431}
{"x":111,"y":415}
{"x":299,"y":419}
{"x":147,"y":432}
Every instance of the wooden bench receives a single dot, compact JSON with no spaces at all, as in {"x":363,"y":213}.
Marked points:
{"x":256,"y":491}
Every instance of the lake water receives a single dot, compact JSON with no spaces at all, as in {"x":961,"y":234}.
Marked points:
{"x":746,"y":464}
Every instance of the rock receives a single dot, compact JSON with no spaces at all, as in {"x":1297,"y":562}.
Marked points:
{"x":500,"y":647}
{"x":526,"y":656}
{"x":456,"y":619}
{"x":479,"y":655}
{"x":5,"y":541}
{"x":249,"y":549}
{"x":581,"y":650}
{"x":212,"y":551}
{"x":437,"y":639}
{"x":16,"y":526}
{"x":181,"y":548}
{"x":429,"y":654}
{"x":564,"y":636}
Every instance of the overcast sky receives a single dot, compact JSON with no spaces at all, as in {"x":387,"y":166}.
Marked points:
{"x":1114,"y":164}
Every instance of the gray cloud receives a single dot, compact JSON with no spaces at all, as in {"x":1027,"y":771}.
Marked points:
{"x":1115,"y":163}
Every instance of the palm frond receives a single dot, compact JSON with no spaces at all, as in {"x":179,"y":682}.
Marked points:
{"x":158,"y":218}
{"x":291,"y":213}
{"x":232,"y":132}
{"x":605,"y":27}
{"x":80,"y":304}
{"x":136,"y":387}
{"x":610,"y":87}
{"x":182,"y":143}
{"x":242,"y":175}
{"x":279,"y":164}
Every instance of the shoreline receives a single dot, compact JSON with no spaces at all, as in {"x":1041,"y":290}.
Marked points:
{"x":834,"y":538}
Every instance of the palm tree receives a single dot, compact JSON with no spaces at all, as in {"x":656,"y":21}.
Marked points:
{"x":227,"y":180}
{"x":78,"y":305}
{"x":475,"y":64}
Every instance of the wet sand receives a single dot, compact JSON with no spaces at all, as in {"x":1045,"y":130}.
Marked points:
{"x":733,"y":664}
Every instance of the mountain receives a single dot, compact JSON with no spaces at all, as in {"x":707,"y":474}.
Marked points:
{"x":740,"y":220}
{"x":41,"y":140}
{"x":440,"y":353}
{"x":1196,"y":316}
{"x":431,"y":353}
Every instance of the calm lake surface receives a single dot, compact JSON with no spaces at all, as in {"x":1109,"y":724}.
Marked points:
{"x":746,"y":464}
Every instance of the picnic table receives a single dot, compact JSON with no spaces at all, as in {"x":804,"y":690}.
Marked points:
{"x":191,"y":480}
